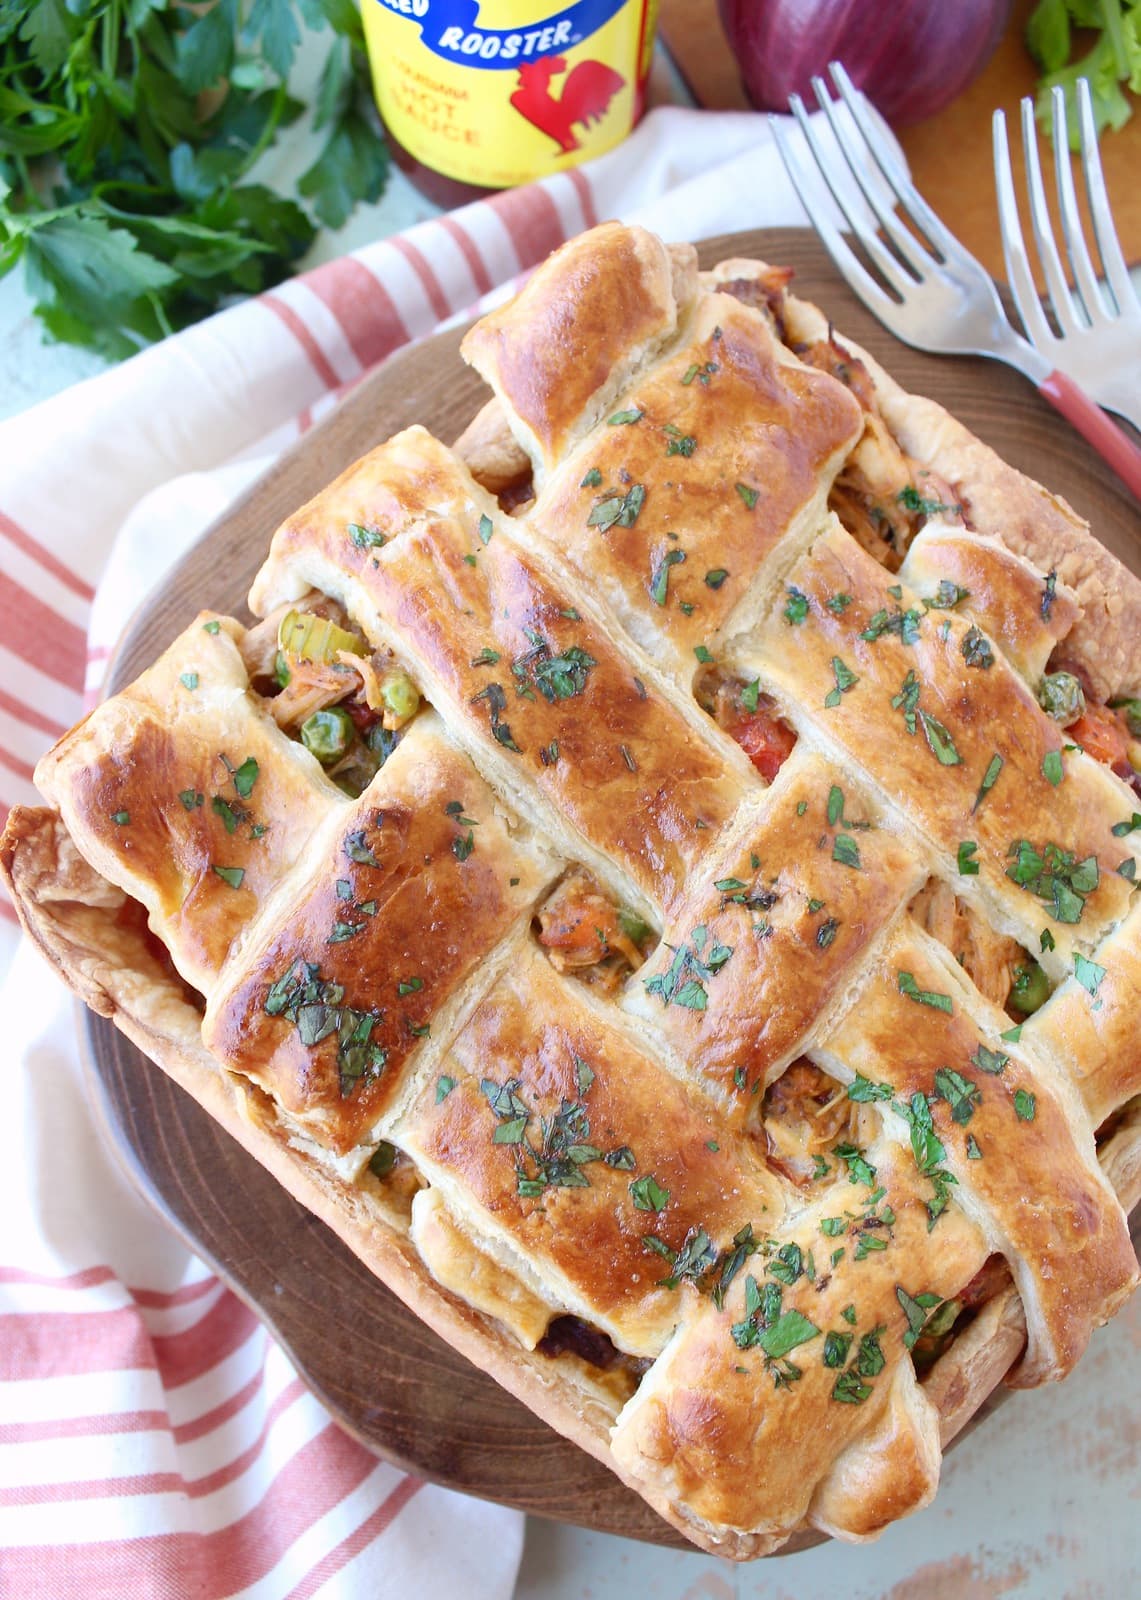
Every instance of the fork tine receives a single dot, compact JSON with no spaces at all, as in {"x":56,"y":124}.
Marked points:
{"x":830,"y":169}
{"x":911,"y":201}
{"x":1106,"y":235}
{"x":905,"y":243}
{"x":1072,"y":230}
{"x":859,"y":280}
{"x":1018,"y":273}
{"x":1059,"y":290}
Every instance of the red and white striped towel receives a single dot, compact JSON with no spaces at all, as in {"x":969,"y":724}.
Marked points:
{"x":153,"y":1439}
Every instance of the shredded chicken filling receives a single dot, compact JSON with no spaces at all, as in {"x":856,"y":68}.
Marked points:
{"x":586,"y":935}
{"x":751,"y":719}
{"x":324,"y":686}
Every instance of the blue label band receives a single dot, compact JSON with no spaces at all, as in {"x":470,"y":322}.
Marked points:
{"x":447,"y":28}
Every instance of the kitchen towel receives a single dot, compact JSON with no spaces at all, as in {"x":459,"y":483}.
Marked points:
{"x":153,"y":1438}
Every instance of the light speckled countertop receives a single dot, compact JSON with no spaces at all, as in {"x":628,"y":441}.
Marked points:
{"x":1043,"y":1501}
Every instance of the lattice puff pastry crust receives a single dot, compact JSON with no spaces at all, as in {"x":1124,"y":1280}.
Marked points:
{"x":333,"y":973}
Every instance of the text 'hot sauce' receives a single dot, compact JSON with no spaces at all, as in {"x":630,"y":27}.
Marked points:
{"x":493,"y":93}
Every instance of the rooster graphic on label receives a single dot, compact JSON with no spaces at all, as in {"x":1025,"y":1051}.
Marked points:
{"x":586,"y":97}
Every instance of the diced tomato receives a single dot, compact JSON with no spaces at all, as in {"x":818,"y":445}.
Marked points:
{"x":1103,"y":735}
{"x":765,"y":739}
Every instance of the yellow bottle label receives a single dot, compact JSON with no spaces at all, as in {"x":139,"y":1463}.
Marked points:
{"x":498,"y":92}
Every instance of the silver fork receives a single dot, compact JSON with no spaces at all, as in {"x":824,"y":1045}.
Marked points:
{"x":936,"y":297}
{"x":1098,"y":342}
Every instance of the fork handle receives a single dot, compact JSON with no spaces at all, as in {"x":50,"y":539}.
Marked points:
{"x":1092,"y":423}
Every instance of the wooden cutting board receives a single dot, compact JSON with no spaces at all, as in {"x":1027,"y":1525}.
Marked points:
{"x":388,"y":1380}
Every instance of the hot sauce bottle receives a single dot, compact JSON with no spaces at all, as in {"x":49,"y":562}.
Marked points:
{"x":479,"y":95}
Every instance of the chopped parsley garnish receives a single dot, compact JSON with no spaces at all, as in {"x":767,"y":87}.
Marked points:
{"x":990,"y":1061}
{"x":903,"y":623}
{"x":1046,"y":940}
{"x":245,"y":777}
{"x":357,"y":849}
{"x":836,"y":1347}
{"x":701,"y":373}
{"x":911,"y":500}
{"x":691,"y":969}
{"x":366,"y":538}
{"x":679,"y":444}
{"x":1052,"y":767}
{"x":444,"y":1087}
{"x":750,"y":694}
{"x":557,"y":677}
{"x":849,"y":1389}
{"x":618,"y":510}
{"x":1054,"y":876}
{"x":960,"y":1094}
{"x":939,"y":741}
{"x":231,"y":875}
{"x":864,"y":1092}
{"x":1025,"y":1105}
{"x":648,"y":1194}
{"x":837,"y":604}
{"x":563,"y":1148}
{"x":859,"y":1169}
{"x":1012,"y":1035}
{"x":121,"y":818}
{"x":990,"y":778}
{"x":1128,"y":869}
{"x":923,"y":1313}
{"x":231,"y":816}
{"x":928,"y":1151}
{"x":188,"y":680}
{"x":191,"y":798}
{"x":486,"y":529}
{"x":344,"y":930}
{"x":715,"y":577}
{"x":1120,"y":829}
{"x":749,"y":496}
{"x":1088,"y":973}
{"x":211,"y":627}
{"x":796,"y":608}
{"x":463,"y":844}
{"x":845,"y":679}
{"x":976,"y":649}
{"x":968,"y":868}
{"x":497,"y":704}
{"x":827,"y":932}
{"x":409,"y":986}
{"x":592,"y":479}
{"x":846,"y":851}
{"x":697,"y":1254}
{"x":703,"y":654}
{"x":973,"y":1151}
{"x":660,"y":575}
{"x":622,"y":417}
{"x":924,"y":997}
{"x":946,"y":597}
{"x":486,"y":658}
{"x":1049,"y":595}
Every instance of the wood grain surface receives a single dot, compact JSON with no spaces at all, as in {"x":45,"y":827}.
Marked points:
{"x":381,"y":1373}
{"x":949,"y":153}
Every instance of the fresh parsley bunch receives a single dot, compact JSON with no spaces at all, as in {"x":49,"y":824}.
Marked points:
{"x":1114,"y":60}
{"x":127,"y":128}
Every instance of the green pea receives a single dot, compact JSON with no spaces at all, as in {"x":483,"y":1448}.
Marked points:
{"x":636,"y":929}
{"x":1132,"y":711}
{"x":328,"y":734}
{"x":1060,"y":696}
{"x":401,"y":696}
{"x":383,"y":1160}
{"x":1030,"y":989}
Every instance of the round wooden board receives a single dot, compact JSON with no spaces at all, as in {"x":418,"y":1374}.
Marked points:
{"x":383,"y":1375}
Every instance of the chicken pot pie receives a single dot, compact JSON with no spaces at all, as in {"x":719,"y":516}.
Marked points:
{"x":660,"y":882}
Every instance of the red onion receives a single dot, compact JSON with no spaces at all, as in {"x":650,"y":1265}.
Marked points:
{"x":910,"y":58}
